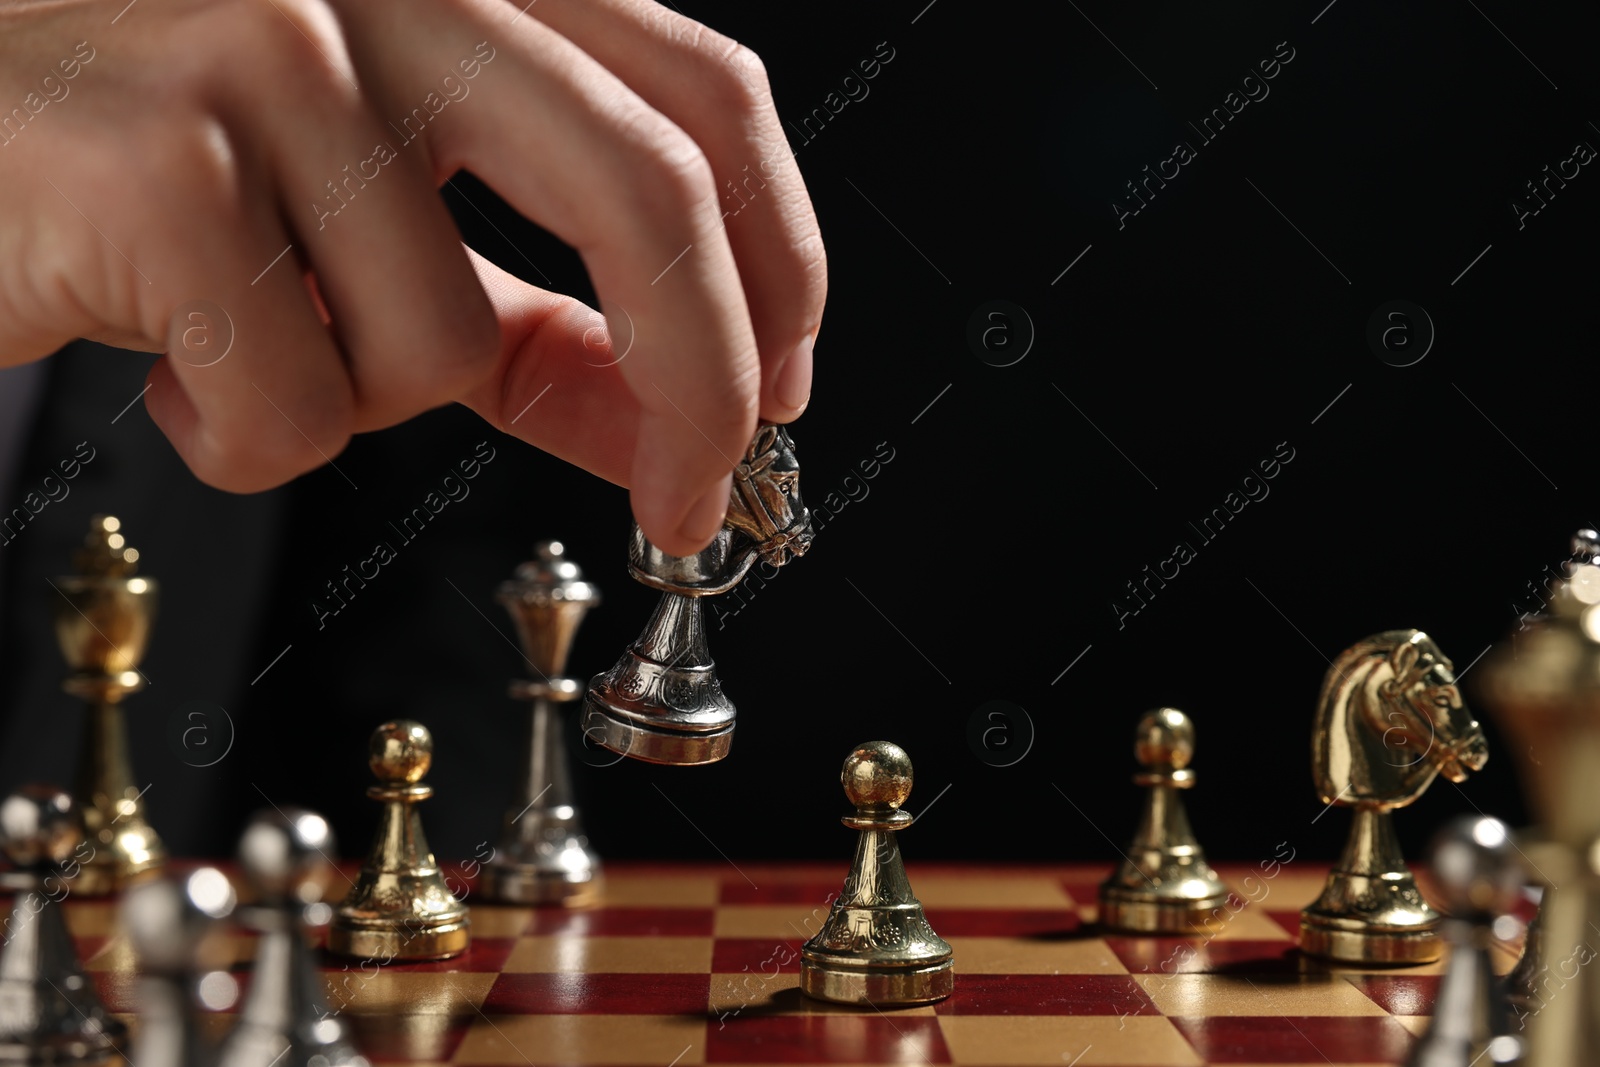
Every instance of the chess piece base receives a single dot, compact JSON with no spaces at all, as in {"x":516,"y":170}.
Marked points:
{"x":1121,"y":910}
{"x":65,"y":1048}
{"x":1344,"y":941}
{"x":677,"y":747}
{"x":526,"y":883}
{"x":877,"y":986}
{"x":407,"y":941}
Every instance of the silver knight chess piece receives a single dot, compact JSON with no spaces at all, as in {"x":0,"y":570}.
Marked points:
{"x":543,"y":856}
{"x":1389,"y":720}
{"x":662,"y":702}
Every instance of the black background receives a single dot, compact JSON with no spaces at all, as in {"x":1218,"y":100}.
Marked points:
{"x":1168,"y":357}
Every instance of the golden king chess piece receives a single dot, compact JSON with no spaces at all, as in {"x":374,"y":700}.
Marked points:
{"x":1389,"y":720}
{"x":103,"y":619}
{"x":1544,"y":690}
{"x":1164,"y":885}
{"x":400,"y":908}
{"x":876,"y":946}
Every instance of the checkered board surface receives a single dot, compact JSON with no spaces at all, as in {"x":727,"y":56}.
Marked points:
{"x":682,"y":966}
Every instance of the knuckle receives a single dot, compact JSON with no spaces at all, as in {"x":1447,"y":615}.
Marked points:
{"x":675,"y":173}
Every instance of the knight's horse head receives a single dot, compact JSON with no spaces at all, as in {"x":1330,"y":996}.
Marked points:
{"x":766,"y":520}
{"x":1390,"y":718}
{"x":765,"y":505}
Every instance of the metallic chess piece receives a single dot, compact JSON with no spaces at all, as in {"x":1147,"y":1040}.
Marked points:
{"x":1476,"y":867}
{"x":876,"y":946}
{"x":175,"y":932}
{"x":400,"y":908}
{"x":1544,"y":689}
{"x":1165,"y":884}
{"x":543,"y":856}
{"x":285,"y":1020}
{"x":1389,"y":720}
{"x":49,"y":1011}
{"x":103,"y":623}
{"x":662,"y":702}
{"x":1530,"y":973}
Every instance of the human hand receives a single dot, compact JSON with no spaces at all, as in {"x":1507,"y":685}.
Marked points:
{"x":280,"y":159}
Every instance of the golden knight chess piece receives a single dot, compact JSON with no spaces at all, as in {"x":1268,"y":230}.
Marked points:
{"x":1164,"y":884}
{"x":1544,"y":691}
{"x":662,"y":702}
{"x":876,"y":946}
{"x":400,"y":908}
{"x":103,"y":620}
{"x":543,"y":856}
{"x":1389,"y":720}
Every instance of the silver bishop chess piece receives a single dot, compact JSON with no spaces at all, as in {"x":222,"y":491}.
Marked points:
{"x":49,"y":1011}
{"x":543,"y":856}
{"x":1479,"y":874}
{"x":285,"y":1021}
{"x":1165,"y":884}
{"x":662,"y":702}
{"x":876,"y":946}
{"x":176,"y":932}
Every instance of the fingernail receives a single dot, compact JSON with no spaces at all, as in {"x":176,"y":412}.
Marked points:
{"x":793,"y":388}
{"x":705,"y":518}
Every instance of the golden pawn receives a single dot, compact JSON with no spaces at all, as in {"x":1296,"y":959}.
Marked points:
{"x":876,"y":946}
{"x":400,"y":908}
{"x":1165,"y":884}
{"x":103,"y":625}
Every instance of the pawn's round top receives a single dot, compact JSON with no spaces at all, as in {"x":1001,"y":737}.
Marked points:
{"x":1477,"y":867}
{"x":400,"y":752}
{"x":877,"y":776}
{"x":39,"y":825}
{"x":167,"y":921}
{"x":1164,"y":740}
{"x":284,"y":853}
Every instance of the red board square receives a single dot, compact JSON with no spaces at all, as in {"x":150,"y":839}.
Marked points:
{"x":756,"y":955}
{"x":991,"y":922}
{"x":624,"y":922}
{"x":1178,"y":955}
{"x":599,"y":994}
{"x":1400,"y":994}
{"x":1046,"y":994}
{"x":1302,"y":1039}
{"x":869,"y":1037}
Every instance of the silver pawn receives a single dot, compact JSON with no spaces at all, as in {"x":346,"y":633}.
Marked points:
{"x":285,"y":1021}
{"x":49,"y":1011}
{"x":1476,"y":868}
{"x":172,"y":927}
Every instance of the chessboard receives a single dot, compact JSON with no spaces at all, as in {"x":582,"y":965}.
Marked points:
{"x":678,"y":966}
